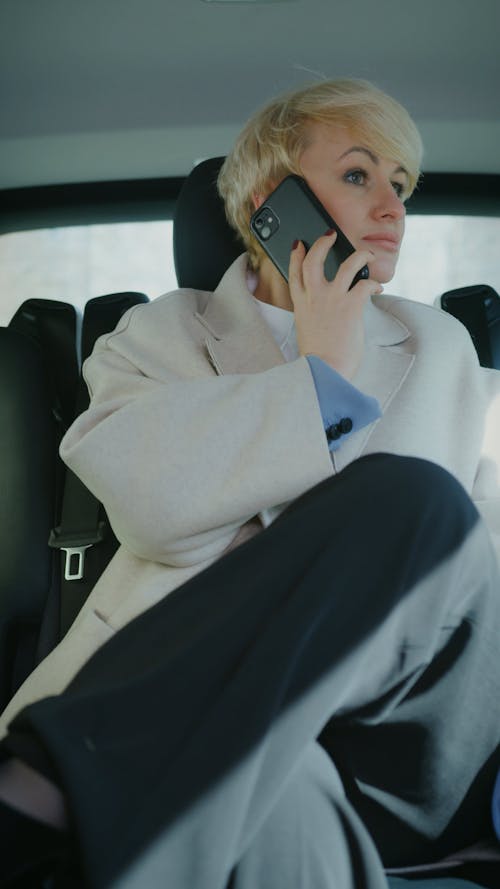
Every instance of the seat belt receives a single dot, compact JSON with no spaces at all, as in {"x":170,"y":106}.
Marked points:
{"x":84,"y":535}
{"x":79,"y":527}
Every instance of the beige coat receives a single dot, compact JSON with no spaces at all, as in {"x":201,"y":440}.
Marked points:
{"x":196,"y":425}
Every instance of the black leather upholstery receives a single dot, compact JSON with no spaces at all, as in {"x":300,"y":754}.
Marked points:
{"x":103,"y":314}
{"x":478,"y":308}
{"x":52,"y":325}
{"x":38,"y":388}
{"x":204,"y":244}
{"x":29,"y":436}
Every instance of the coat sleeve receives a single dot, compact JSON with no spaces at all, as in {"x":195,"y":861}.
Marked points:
{"x":181,"y":462}
{"x":486,"y":490}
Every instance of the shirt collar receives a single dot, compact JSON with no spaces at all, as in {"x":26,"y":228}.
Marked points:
{"x":281,"y":322}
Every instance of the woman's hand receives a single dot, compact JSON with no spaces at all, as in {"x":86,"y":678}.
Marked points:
{"x":329,"y":316}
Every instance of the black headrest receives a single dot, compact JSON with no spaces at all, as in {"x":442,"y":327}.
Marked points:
{"x":204,"y":244}
{"x":102,"y":314}
{"x":52,"y":325}
{"x":478,"y":308}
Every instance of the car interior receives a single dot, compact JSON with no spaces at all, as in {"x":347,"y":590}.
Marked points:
{"x":121,"y":114}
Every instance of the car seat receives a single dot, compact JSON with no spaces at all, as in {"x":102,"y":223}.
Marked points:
{"x":40,"y":386}
{"x":35,"y":406}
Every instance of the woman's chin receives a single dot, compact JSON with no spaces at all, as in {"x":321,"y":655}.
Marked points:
{"x":382,"y":270}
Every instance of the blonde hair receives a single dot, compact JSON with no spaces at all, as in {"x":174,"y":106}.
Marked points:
{"x":271,"y":143}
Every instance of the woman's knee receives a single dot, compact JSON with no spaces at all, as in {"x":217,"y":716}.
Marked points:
{"x":384,"y":504}
{"x":411,"y":478}
{"x":424,"y":487}
{"x":381,"y":484}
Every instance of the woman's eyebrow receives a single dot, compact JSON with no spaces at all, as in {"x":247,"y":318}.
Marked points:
{"x":373,"y":157}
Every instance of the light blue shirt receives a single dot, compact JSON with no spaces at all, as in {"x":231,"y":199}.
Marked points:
{"x":340,"y":400}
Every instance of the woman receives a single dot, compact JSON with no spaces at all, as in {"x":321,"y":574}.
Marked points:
{"x":209,"y":414}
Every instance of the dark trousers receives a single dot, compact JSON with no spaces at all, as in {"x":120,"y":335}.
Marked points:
{"x":368,"y":616}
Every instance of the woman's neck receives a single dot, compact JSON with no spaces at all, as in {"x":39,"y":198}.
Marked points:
{"x":272,"y":287}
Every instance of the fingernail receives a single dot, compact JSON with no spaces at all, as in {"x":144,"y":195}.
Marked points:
{"x":295,"y":244}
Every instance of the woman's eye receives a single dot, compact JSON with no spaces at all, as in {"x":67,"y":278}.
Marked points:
{"x":357,"y":177}
{"x":398,"y":188}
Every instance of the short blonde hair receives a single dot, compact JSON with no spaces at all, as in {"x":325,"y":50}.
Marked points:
{"x":271,"y":143}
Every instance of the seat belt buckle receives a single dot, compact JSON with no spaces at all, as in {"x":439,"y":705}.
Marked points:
{"x":75,"y":546}
{"x":75,"y":561}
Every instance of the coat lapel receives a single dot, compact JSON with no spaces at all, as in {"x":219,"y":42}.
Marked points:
{"x":383,"y":370}
{"x":239,"y":341}
{"x":382,"y":374}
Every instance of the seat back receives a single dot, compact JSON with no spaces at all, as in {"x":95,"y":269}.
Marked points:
{"x":34,"y":410}
{"x":39,"y":396}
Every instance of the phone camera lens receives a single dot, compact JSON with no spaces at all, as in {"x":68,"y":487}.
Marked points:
{"x":265,"y":223}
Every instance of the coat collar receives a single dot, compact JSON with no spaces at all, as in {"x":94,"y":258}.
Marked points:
{"x":239,"y":340}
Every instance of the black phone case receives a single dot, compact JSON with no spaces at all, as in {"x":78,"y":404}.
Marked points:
{"x":292,"y":211}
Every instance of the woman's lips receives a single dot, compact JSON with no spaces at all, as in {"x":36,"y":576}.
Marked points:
{"x":385,"y":241}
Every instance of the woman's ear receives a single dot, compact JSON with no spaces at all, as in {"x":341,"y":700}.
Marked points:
{"x":258,"y":200}
{"x":259,"y":197}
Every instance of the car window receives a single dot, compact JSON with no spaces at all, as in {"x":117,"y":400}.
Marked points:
{"x":76,"y":263}
{"x":440,"y":253}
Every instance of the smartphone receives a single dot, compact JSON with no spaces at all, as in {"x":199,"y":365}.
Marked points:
{"x":292,"y":211}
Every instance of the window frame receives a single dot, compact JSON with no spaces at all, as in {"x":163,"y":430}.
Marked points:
{"x":138,"y":200}
{"x":88,"y":203}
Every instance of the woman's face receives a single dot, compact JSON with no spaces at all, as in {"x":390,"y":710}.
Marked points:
{"x":362,"y":192}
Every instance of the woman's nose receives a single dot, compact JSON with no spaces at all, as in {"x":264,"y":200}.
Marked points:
{"x":387,"y":203}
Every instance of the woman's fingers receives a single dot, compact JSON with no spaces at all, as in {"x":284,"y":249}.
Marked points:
{"x":295,"y":279}
{"x":313,"y":266}
{"x":328,"y":315}
{"x":349,"y":268}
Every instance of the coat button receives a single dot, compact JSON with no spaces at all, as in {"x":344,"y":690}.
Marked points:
{"x":337,"y":429}
{"x":345,"y":425}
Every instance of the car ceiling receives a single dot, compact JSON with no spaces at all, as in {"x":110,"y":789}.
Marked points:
{"x":96,"y":90}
